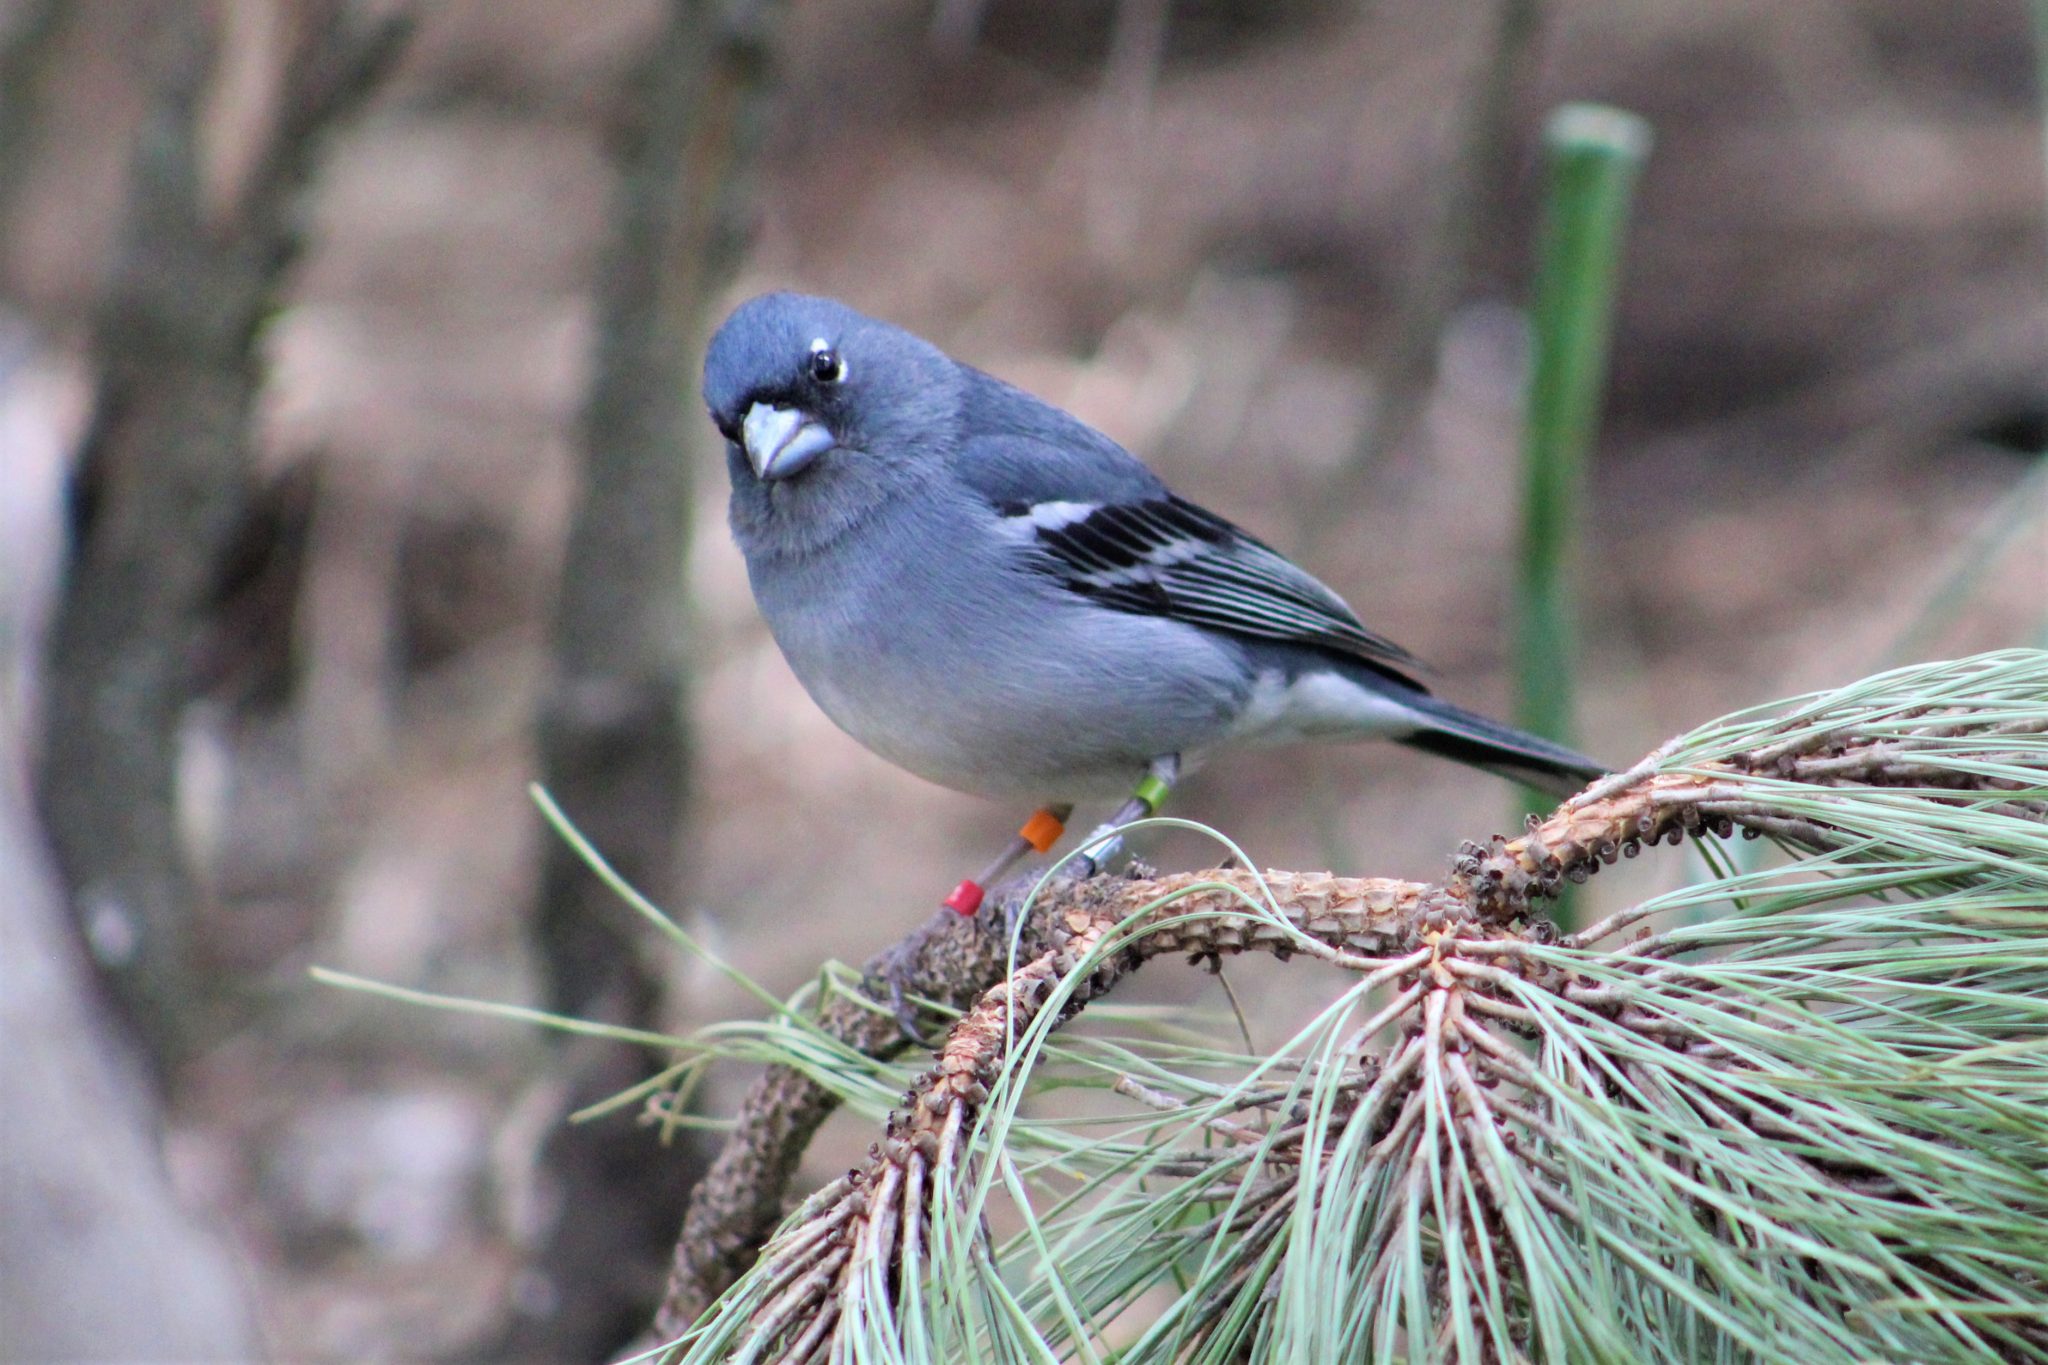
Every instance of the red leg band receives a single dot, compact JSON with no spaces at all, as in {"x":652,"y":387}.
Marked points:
{"x":966,"y":898}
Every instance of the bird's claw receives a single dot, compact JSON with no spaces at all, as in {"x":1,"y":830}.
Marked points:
{"x":1014,"y":910}
{"x":890,"y":980}
{"x":904,"y":1012}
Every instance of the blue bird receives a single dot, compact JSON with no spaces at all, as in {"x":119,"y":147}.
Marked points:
{"x":993,"y":595}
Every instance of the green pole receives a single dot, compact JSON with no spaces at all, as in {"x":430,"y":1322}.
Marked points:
{"x":1591,"y":156}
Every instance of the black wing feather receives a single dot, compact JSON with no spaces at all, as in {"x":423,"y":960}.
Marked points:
{"x":1165,"y":556}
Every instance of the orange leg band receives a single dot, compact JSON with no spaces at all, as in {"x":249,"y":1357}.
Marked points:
{"x":1042,"y":830}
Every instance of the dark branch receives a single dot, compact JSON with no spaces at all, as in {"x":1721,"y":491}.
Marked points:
{"x":161,"y":482}
{"x":614,"y":746}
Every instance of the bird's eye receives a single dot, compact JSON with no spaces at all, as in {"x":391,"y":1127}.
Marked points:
{"x":826,"y":365}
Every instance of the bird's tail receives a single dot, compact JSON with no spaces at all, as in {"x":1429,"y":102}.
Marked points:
{"x":1468,"y":737}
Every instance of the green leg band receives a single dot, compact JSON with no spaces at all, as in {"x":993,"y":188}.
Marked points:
{"x":1152,"y":792}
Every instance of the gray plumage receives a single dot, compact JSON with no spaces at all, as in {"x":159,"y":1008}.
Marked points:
{"x":986,"y":591}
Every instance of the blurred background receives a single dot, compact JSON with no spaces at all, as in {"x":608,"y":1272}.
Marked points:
{"x":352,"y":477}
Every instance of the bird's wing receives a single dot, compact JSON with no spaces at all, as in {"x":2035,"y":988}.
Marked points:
{"x":1112,"y":532}
{"x":1165,"y":556}
{"x":1161,"y":555}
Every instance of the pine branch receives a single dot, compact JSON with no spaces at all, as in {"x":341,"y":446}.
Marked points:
{"x":1481,"y":1144}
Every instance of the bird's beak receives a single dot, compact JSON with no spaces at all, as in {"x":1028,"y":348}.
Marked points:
{"x":782,"y":441}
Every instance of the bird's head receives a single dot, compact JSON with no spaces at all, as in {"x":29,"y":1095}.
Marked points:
{"x":825,"y":411}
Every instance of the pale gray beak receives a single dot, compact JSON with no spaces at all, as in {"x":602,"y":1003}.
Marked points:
{"x":782,"y":441}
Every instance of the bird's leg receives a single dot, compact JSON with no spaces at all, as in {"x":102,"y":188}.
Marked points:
{"x":1038,"y":835}
{"x":1105,"y":842}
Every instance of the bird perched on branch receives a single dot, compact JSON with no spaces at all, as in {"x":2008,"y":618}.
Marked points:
{"x":993,"y":595}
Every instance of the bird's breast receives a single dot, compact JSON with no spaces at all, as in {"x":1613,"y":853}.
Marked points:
{"x":962,"y":665}
{"x":902,"y":651}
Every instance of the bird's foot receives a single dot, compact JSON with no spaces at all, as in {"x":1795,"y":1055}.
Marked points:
{"x":890,"y":978}
{"x":907,"y":1022}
